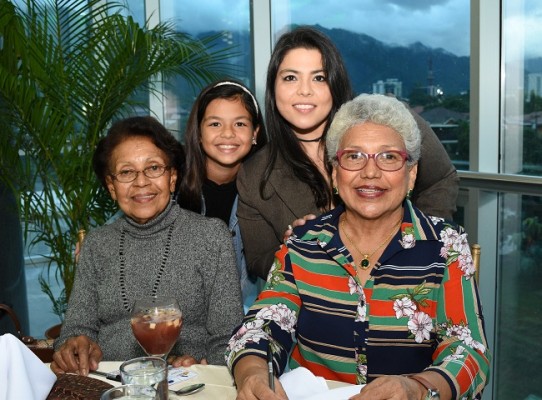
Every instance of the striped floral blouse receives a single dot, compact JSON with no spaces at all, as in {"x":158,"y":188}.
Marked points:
{"x":419,"y":310}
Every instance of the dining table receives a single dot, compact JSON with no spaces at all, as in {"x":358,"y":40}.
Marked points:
{"x":217,"y":379}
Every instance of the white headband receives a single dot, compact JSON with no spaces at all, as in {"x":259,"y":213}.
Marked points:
{"x":244,"y":89}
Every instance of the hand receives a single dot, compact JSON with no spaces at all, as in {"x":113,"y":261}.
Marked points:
{"x":185,"y":361}
{"x":256,"y":386}
{"x":78,"y":354}
{"x":252,"y":381}
{"x":392,"y":387}
{"x":297,"y":222}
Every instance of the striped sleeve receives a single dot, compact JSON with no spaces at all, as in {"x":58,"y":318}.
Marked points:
{"x":462,"y":355}
{"x":271,"y":320}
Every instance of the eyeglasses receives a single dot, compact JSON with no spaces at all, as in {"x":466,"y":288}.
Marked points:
{"x":354,"y":160}
{"x":130,"y":175}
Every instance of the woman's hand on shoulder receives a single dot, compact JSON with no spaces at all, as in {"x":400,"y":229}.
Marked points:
{"x":78,"y":354}
{"x":185,"y":361}
{"x":297,"y":222}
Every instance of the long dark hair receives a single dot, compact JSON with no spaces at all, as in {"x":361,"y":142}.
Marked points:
{"x":190,"y":191}
{"x":140,"y":126}
{"x":282,"y":139}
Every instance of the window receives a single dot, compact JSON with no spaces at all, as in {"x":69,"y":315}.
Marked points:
{"x":518,"y":349}
{"x":522,"y":106}
{"x":200,"y":19}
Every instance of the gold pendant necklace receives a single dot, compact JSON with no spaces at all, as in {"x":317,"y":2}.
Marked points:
{"x":365,"y":263}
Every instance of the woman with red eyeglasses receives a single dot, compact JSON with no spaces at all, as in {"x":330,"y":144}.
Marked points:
{"x":374,"y":292}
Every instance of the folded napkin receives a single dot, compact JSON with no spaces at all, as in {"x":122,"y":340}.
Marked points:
{"x":22,"y":374}
{"x":302,"y":384}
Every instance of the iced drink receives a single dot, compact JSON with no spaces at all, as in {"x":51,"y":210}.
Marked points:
{"x":157,"y":330}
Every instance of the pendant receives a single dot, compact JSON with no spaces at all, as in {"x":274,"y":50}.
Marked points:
{"x":364,"y":264}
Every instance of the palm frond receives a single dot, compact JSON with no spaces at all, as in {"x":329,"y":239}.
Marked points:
{"x":67,"y":69}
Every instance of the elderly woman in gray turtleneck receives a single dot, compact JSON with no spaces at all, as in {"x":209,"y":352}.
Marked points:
{"x":155,"y":248}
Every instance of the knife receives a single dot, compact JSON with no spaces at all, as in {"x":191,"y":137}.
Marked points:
{"x":107,"y":375}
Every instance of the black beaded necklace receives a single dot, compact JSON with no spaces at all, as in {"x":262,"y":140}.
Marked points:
{"x":310,"y":140}
{"x":122,"y":259}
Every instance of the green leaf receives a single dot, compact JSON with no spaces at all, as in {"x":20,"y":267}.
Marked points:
{"x":68,"y":68}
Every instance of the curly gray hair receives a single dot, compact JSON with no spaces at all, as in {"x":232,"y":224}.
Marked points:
{"x":378,"y":109}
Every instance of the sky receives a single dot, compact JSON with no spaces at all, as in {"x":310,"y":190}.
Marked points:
{"x":435,"y":23}
{"x":402,"y":22}
{"x":523,"y":25}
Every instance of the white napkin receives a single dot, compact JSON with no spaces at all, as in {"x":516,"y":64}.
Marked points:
{"x":22,"y":374}
{"x":302,"y":384}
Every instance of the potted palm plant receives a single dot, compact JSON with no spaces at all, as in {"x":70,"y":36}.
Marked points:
{"x":67,"y":69}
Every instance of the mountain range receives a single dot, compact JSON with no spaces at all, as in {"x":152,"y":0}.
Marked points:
{"x":369,"y":60}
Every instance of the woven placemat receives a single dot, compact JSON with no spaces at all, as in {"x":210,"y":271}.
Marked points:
{"x":77,"y":387}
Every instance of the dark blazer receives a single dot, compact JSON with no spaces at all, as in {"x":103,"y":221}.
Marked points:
{"x":263,"y":221}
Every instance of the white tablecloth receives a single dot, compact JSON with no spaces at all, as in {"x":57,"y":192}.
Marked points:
{"x":217,"y":379}
{"x":218,"y":382}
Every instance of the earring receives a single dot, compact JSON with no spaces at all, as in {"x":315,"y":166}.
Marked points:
{"x":254,"y":142}
{"x":409,"y":194}
{"x":335,"y":190}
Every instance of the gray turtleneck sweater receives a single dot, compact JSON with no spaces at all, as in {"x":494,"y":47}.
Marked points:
{"x":200,"y":272}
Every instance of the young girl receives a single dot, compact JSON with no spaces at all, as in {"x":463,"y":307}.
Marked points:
{"x":224,"y":129}
{"x":307,"y":82}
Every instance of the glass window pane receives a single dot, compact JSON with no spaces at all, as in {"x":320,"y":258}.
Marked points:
{"x":231,"y":18}
{"x":518,"y":345}
{"x":518,"y":349}
{"x":522,"y":106}
{"x":419,"y":51}
{"x":135,"y":9}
